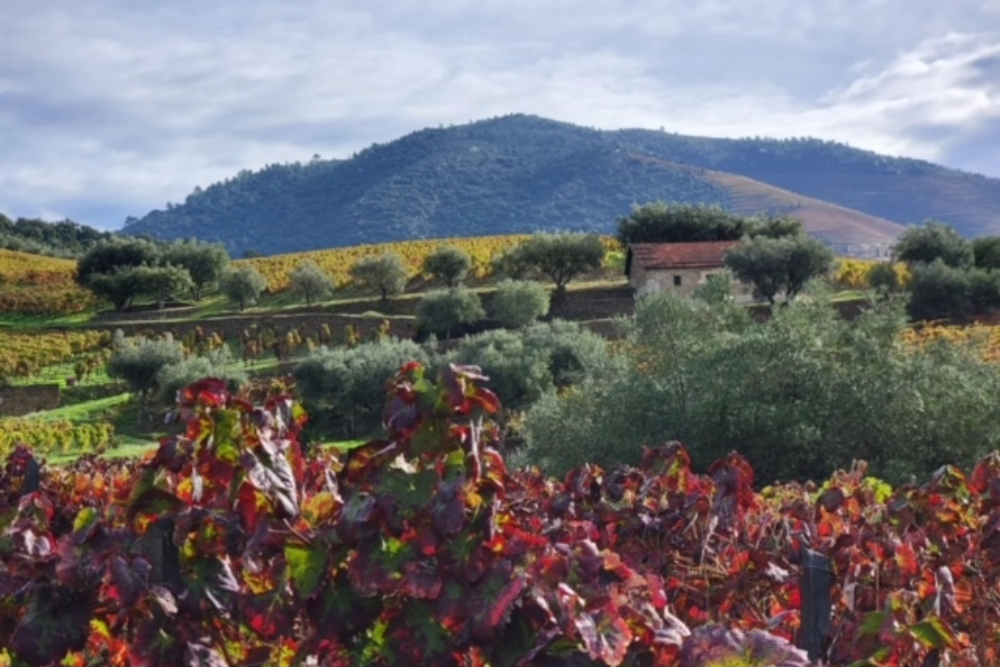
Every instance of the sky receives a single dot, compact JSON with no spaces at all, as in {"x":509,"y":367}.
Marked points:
{"x":111,"y":108}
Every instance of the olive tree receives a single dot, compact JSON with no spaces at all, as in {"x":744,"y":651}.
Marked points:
{"x":934,"y":241}
{"x":162,"y":282}
{"x":779,"y":266}
{"x":440,"y":311}
{"x":204,"y":262}
{"x":139,"y":360}
{"x":348,"y":384}
{"x":311,"y":282}
{"x":243,"y":285}
{"x":218,"y":363}
{"x":560,"y":257}
{"x":518,"y":303}
{"x":385,"y":273}
{"x":799,"y":395}
{"x":448,"y":264}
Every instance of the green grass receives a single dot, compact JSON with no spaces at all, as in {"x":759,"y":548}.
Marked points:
{"x":23,"y":321}
{"x":58,"y":373}
{"x":102,"y":409}
{"x":848,"y":295}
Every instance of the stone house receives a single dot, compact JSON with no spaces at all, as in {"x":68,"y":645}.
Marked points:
{"x":679,"y":267}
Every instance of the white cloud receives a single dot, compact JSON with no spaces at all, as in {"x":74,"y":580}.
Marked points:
{"x":117,"y":106}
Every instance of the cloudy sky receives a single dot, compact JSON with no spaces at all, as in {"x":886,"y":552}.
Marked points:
{"x":111,"y":108}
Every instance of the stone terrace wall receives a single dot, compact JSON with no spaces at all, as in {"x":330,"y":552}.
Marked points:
{"x":17,"y":401}
{"x":230,"y":328}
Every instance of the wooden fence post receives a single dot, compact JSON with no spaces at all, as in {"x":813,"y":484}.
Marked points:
{"x":815,"y":582}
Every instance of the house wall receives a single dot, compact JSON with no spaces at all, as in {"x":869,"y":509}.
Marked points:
{"x":662,"y":280}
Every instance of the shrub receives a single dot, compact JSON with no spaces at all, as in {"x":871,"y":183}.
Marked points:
{"x":883,"y":278}
{"x":518,"y":303}
{"x":216,"y":364}
{"x":350,"y":382}
{"x":800,"y":395}
{"x":523,"y":365}
{"x":440,"y":311}
{"x":138,"y":360}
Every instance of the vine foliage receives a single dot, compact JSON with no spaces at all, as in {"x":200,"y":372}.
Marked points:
{"x":232,"y":546}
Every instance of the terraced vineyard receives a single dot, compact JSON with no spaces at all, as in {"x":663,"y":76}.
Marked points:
{"x":23,"y":354}
{"x":337,"y":262}
{"x":985,"y":338}
{"x":40,"y":285}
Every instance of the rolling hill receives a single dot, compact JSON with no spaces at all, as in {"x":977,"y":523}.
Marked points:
{"x":518,"y":174}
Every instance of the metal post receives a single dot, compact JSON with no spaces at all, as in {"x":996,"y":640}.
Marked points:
{"x":32,"y":477}
{"x":815,"y":582}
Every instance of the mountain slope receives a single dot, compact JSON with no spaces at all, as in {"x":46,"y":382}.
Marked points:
{"x":522,"y":173}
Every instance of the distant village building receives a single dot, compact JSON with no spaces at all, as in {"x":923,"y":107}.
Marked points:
{"x":679,"y":267}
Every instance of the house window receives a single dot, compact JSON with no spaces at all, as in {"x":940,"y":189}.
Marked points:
{"x":677,"y":281}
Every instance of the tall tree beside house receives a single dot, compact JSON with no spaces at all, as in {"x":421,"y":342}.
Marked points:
{"x":560,"y":257}
{"x":659,"y":222}
{"x":779,"y":266}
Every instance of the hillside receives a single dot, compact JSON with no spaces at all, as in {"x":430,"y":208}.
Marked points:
{"x":33,"y":284}
{"x":56,"y":239}
{"x":517,"y":174}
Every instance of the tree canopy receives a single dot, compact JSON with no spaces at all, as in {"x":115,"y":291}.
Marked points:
{"x":448,"y":264}
{"x":243,"y":285}
{"x":934,"y":241}
{"x":441,"y":311}
{"x":660,"y":222}
{"x":204,"y":262}
{"x":385,"y":273}
{"x":311,"y":282}
{"x":779,"y":266}
{"x":560,"y":257}
{"x":518,"y":303}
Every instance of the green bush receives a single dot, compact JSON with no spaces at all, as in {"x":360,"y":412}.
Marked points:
{"x":441,"y":311}
{"x":349,"y":383}
{"x":800,"y":395}
{"x":524,"y":365}
{"x":217,"y":364}
{"x":518,"y":303}
{"x":138,"y":360}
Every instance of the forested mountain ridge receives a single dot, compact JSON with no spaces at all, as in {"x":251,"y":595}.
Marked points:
{"x":522,"y":173}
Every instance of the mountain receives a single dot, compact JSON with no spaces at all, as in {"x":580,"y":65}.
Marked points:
{"x":523,"y":173}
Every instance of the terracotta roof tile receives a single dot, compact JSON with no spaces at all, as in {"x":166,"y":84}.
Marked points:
{"x":680,"y":255}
